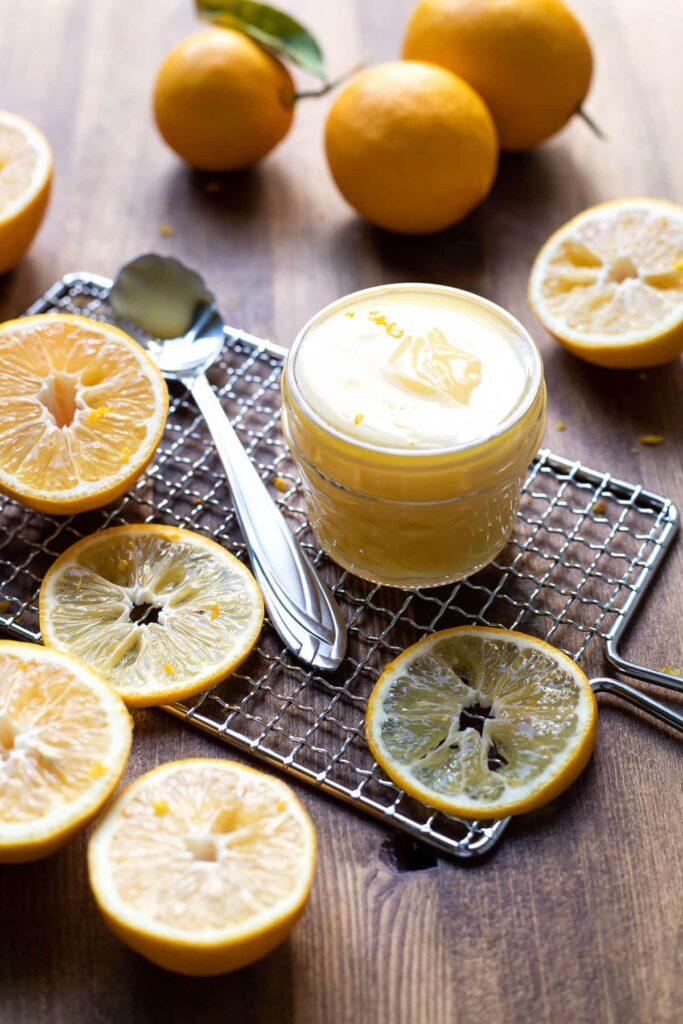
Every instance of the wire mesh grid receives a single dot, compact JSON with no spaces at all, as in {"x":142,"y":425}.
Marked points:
{"x":584,"y":549}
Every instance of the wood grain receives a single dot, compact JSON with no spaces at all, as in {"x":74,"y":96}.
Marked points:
{"x":577,"y":917}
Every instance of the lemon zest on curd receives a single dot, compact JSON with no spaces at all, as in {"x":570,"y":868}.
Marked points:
{"x":96,"y":414}
{"x":389,"y":326}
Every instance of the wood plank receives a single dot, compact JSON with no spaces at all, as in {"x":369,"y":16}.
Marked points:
{"x":577,"y":917}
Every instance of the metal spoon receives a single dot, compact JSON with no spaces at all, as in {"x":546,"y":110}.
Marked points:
{"x":170,"y":311}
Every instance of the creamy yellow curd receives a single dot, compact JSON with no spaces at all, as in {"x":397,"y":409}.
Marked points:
{"x":413,"y":412}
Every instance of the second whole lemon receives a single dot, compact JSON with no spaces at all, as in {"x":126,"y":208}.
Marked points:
{"x":221,"y":101}
{"x":411,"y":146}
{"x":530,"y":59}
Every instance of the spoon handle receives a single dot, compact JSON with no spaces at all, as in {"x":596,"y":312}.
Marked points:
{"x":301,"y":607}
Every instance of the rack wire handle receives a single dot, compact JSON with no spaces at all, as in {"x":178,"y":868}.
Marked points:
{"x":630,"y":695}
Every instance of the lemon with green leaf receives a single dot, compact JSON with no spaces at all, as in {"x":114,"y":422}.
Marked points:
{"x":223,"y":98}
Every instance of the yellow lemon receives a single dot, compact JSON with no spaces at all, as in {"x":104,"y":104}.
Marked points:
{"x":609,"y":283}
{"x":25,"y":181}
{"x":411,"y":146}
{"x":482,"y":723}
{"x":529,"y":59}
{"x":162,"y":613}
{"x":82,"y":410}
{"x":65,"y":737}
{"x":203,"y":866}
{"x":221,"y":101}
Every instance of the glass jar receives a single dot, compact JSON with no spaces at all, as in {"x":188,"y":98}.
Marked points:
{"x":416,"y":517}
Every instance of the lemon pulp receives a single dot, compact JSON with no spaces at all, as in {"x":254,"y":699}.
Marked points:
{"x":82,"y":409}
{"x":160,"y":612}
{"x":482,"y":722}
{"x":64,"y":741}
{"x":609,"y":283}
{"x":203,"y":865}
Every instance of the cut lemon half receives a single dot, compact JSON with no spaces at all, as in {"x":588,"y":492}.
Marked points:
{"x":482,"y":723}
{"x":82,"y":410}
{"x":203,"y":866}
{"x":162,"y":613}
{"x":65,"y":737}
{"x":25,"y":180}
{"x":609,"y":284}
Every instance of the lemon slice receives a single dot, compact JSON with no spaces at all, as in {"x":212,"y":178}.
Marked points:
{"x":82,"y":410}
{"x":65,"y":737}
{"x":609,"y":284}
{"x":482,"y":723}
{"x":162,"y":613}
{"x":203,"y":866}
{"x":25,"y":180}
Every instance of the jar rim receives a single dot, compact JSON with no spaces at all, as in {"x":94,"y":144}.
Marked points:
{"x":513,"y":417}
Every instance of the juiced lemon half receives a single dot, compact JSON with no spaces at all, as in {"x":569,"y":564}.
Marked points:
{"x":203,"y":866}
{"x":25,"y":181}
{"x":161,"y":613}
{"x":65,"y":737}
{"x":82,"y":410}
{"x":482,"y":723}
{"x":609,"y":283}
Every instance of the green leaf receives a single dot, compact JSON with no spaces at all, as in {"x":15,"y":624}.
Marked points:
{"x":270,"y":27}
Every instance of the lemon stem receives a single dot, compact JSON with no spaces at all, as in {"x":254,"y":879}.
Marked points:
{"x":593,"y":125}
{"x":332,"y":83}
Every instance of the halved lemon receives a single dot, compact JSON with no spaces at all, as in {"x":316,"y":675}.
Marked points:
{"x":609,"y":284}
{"x":203,"y":866}
{"x":482,"y":722}
{"x":65,"y":737}
{"x":82,"y":410}
{"x":25,"y":181}
{"x":162,"y":613}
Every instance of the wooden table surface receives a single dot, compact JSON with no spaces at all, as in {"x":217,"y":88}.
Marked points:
{"x":576,"y":917}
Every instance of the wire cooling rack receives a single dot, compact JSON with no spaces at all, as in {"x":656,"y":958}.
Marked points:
{"x":584,"y":551}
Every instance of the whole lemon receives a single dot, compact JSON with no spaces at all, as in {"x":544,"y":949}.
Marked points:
{"x":221,"y":101}
{"x":411,"y":146}
{"x":529,"y":59}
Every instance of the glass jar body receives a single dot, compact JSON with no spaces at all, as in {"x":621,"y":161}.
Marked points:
{"x":413,"y":518}
{"x":386,"y":528}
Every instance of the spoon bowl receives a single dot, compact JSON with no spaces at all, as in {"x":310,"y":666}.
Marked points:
{"x":169,"y":310}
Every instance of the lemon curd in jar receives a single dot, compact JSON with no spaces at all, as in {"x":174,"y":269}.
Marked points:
{"x":413,"y":412}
